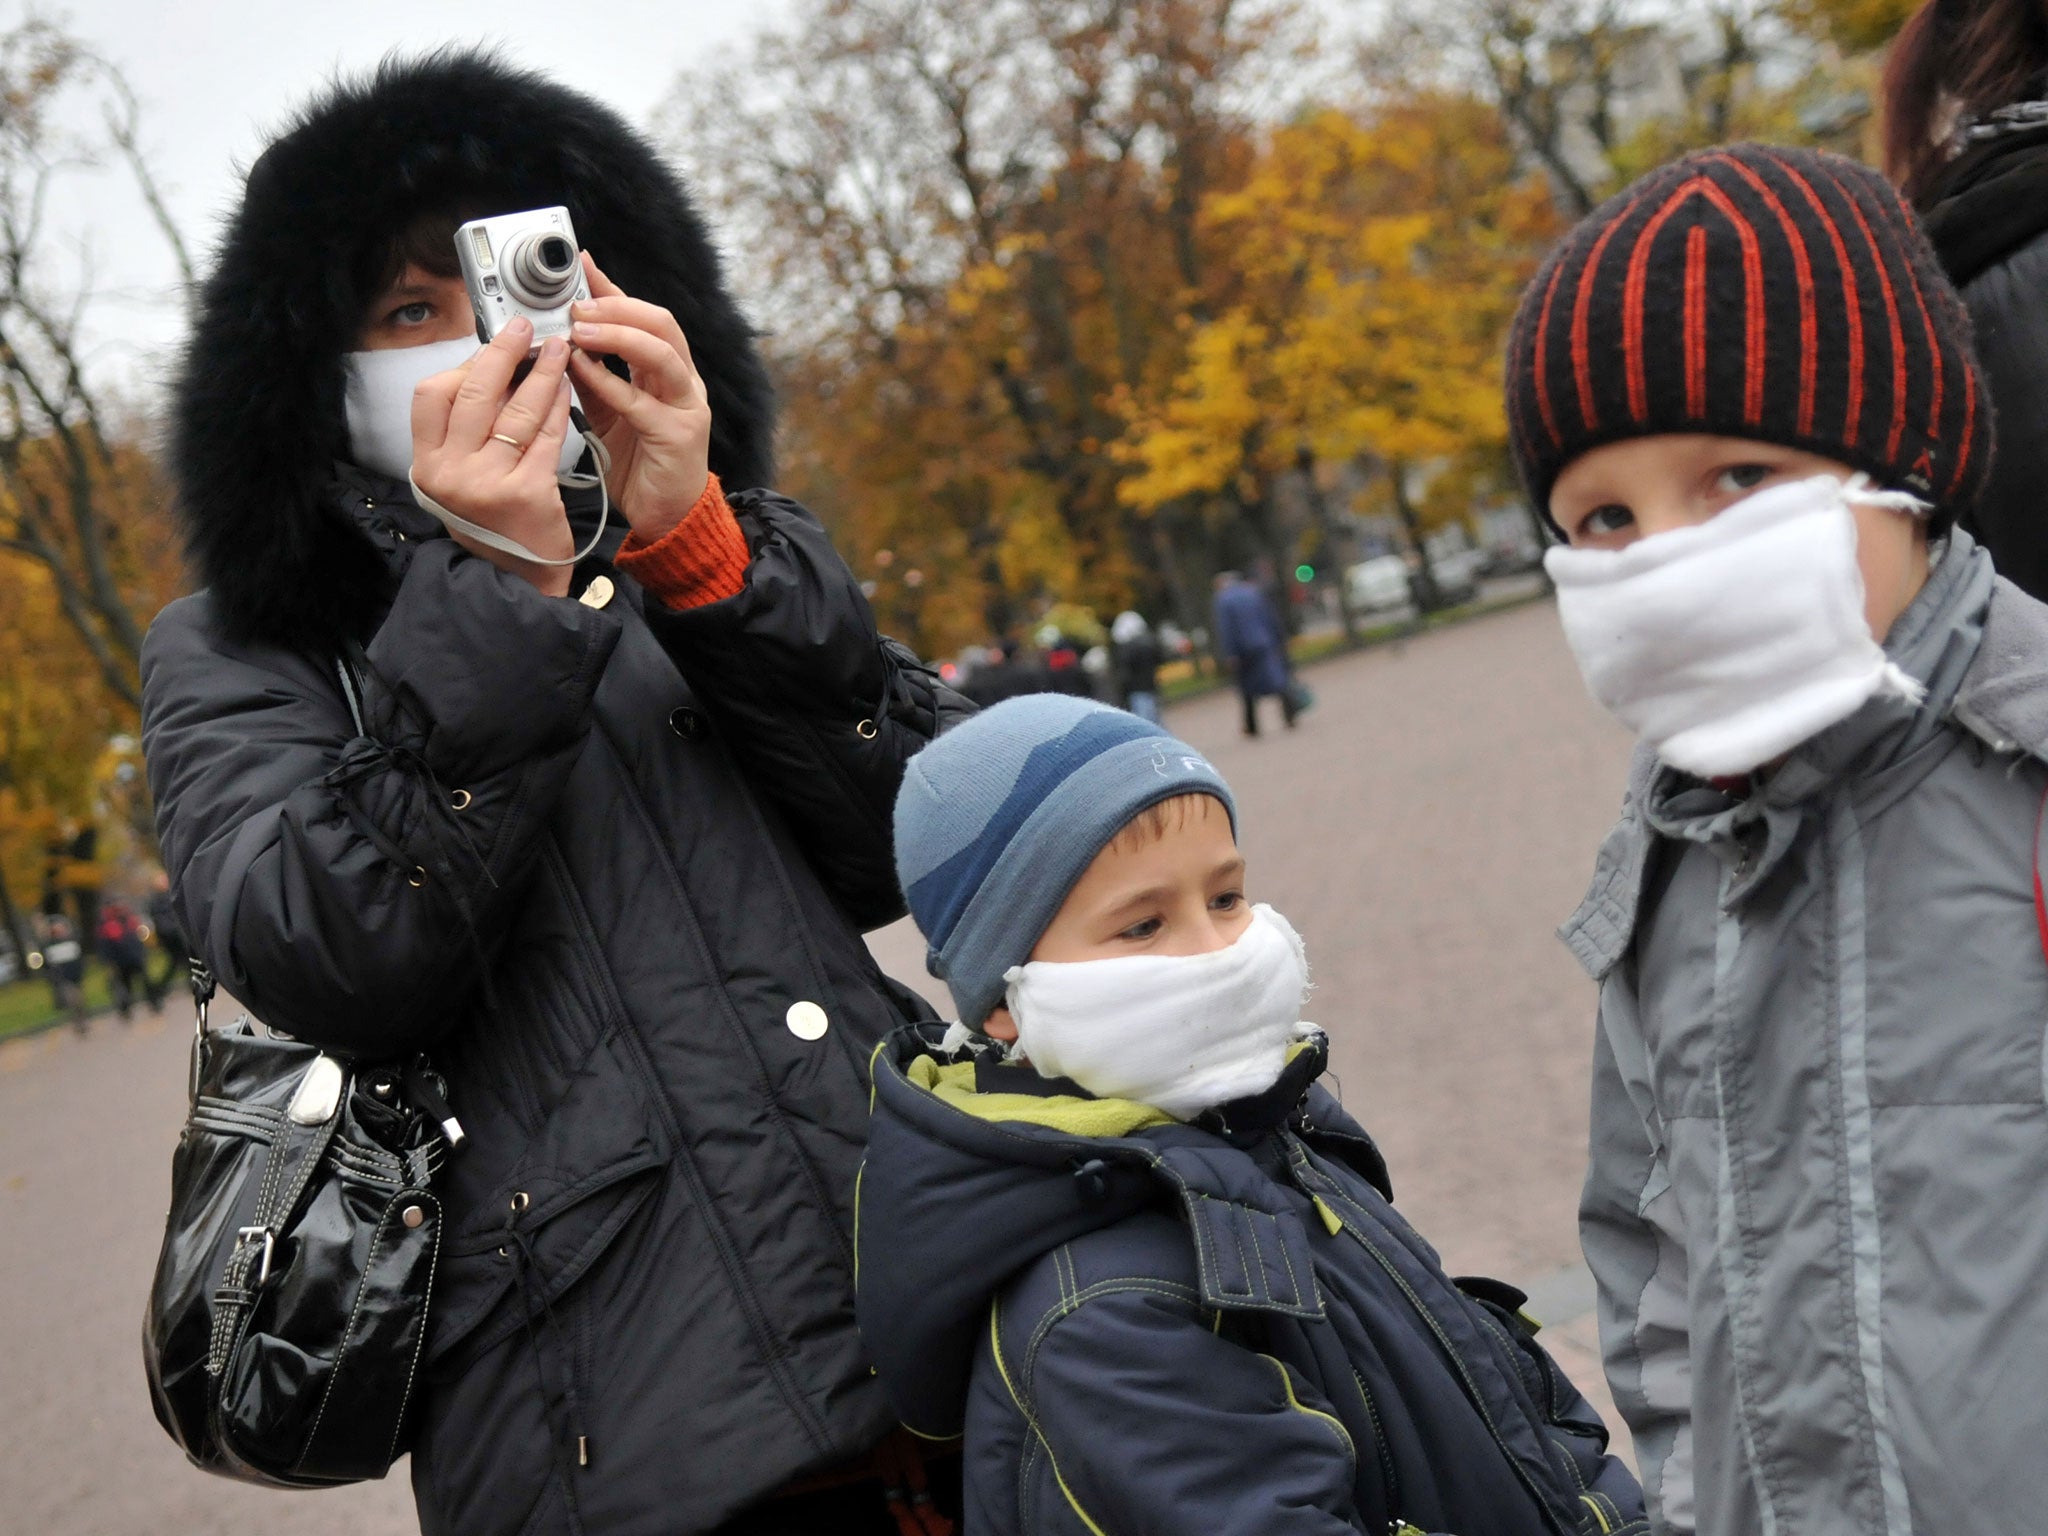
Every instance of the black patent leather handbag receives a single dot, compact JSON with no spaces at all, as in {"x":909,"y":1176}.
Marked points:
{"x":288,"y":1317}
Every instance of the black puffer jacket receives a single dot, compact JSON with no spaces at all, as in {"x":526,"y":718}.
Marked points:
{"x":1156,"y":1329}
{"x":609,"y":863}
{"x":1989,"y":224}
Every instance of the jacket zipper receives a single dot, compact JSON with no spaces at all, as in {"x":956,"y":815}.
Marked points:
{"x":1379,"y":1442}
{"x":1443,"y":1340}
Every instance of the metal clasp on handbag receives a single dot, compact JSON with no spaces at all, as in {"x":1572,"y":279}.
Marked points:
{"x":269,"y":1237}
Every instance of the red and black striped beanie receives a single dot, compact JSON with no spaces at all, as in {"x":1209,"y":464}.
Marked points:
{"x":1784,"y":295}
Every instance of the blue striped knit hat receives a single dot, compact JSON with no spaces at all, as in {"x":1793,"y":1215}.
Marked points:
{"x":998,"y":818}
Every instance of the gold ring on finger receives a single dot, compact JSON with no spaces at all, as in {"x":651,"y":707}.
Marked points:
{"x":517,"y":446}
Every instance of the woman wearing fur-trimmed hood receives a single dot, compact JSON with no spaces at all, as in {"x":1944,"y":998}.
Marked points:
{"x":616,"y":826}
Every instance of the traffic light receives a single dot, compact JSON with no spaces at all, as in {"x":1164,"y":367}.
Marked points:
{"x":1304,"y":574}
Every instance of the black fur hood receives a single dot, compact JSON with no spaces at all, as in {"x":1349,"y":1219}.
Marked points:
{"x":258,"y":419}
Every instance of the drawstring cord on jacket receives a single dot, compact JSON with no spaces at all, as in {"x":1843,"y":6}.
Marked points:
{"x":374,"y":756}
{"x":572,"y":1441}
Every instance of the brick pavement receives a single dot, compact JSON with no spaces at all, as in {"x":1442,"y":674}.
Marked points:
{"x":1426,"y":827}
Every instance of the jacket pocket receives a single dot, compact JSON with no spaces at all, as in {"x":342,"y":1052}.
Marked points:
{"x":555,"y":1210}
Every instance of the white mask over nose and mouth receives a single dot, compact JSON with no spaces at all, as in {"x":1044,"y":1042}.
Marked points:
{"x":1183,"y":1033}
{"x":380,"y":387}
{"x":1726,"y":645}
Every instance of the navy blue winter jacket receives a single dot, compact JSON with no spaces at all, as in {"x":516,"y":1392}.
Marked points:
{"x":1141,"y":1326}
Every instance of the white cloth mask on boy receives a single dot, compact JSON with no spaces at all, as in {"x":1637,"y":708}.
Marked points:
{"x":1183,"y":1033}
{"x":1725,"y":645}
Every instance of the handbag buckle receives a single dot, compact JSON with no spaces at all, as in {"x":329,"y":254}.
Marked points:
{"x":269,"y":1246}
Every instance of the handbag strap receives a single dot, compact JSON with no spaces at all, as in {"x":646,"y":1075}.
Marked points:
{"x":295,"y":1154}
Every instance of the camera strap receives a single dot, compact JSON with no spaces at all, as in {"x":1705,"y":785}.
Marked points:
{"x":455,"y":522}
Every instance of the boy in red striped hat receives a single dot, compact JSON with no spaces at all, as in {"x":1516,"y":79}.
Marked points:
{"x":1817,"y":1209}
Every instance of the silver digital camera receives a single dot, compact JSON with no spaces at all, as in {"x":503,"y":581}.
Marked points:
{"x":522,"y":264}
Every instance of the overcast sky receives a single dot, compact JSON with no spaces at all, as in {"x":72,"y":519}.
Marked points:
{"x":217,"y":77}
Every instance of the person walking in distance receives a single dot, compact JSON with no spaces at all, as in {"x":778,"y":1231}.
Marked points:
{"x":64,"y":963}
{"x":1134,"y":662}
{"x":122,"y":951}
{"x":1252,"y":646}
{"x":617,"y":819}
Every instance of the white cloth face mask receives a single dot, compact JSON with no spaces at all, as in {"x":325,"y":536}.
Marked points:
{"x":1183,"y":1033}
{"x":379,"y":402}
{"x":1726,"y":645}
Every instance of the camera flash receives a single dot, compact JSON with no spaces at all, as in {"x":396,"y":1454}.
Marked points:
{"x":480,"y":243}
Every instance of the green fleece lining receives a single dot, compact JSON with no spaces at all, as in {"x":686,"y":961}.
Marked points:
{"x":1077,"y":1117}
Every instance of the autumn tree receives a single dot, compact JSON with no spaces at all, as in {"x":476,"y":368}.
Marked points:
{"x":1376,"y":261}
{"x":969,"y":228}
{"x":77,"y":497}
{"x":1598,"y":91}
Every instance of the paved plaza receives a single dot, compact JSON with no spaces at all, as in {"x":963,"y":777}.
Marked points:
{"x":1426,"y":828}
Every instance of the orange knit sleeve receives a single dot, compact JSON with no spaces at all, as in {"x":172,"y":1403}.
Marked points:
{"x":703,"y":559}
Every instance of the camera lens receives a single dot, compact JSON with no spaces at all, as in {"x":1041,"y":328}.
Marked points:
{"x":540,"y":268}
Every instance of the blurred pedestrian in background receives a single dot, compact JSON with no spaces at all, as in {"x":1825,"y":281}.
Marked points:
{"x":1966,"y":123}
{"x":64,"y":964}
{"x":1252,"y":646}
{"x":1134,"y":664}
{"x":118,"y":939}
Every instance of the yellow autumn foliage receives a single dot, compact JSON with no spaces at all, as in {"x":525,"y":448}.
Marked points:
{"x":1377,"y":260}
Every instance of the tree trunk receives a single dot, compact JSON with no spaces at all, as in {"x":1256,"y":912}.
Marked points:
{"x":1319,"y":509}
{"x":1427,"y":597}
{"x":17,"y":930}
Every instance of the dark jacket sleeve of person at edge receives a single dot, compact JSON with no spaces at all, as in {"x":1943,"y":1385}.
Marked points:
{"x":608,"y":855}
{"x":1988,"y":218}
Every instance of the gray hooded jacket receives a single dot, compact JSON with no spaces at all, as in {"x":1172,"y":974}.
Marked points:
{"x":1818,"y":1201}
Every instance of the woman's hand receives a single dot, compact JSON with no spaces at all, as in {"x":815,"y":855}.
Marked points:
{"x":491,"y":456}
{"x":655,"y":424}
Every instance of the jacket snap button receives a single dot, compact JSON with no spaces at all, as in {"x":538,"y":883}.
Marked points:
{"x":598,"y":593}
{"x":806,"y":1021}
{"x":683,"y":722}
{"x":412,"y":1216}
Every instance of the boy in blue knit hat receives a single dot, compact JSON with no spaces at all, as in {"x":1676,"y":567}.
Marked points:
{"x":1115,"y":1233}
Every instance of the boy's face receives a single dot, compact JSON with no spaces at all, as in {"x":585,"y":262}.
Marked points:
{"x":1617,"y":493}
{"x":1178,"y":893}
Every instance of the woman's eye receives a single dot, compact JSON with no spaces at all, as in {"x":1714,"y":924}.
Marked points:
{"x":419,"y":312}
{"x":1612,"y":518}
{"x":1742,"y":477}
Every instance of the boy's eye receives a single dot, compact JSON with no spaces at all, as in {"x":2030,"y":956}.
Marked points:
{"x":1139,"y":932}
{"x":1742,"y":477}
{"x":1229,"y":901}
{"x":1612,"y":518}
{"x":419,"y":312}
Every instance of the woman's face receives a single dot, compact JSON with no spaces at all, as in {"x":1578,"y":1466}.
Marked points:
{"x":417,"y":308}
